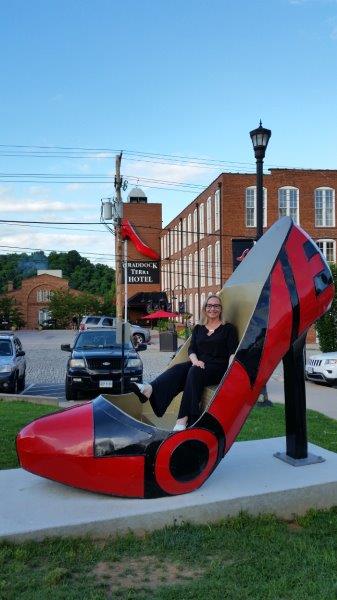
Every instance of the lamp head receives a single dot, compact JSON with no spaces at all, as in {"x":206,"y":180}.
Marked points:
{"x":260,"y":138}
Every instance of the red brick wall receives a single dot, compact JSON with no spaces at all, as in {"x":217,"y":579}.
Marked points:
{"x":233,"y":186}
{"x":26,"y":296}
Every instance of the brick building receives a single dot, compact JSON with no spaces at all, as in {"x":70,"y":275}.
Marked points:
{"x":143,"y":224}
{"x":200,"y":246}
{"x":34,"y":294}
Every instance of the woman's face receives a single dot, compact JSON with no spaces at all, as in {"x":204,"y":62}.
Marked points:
{"x":213,"y":307}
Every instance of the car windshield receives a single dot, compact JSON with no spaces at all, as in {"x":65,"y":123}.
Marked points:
{"x":99,"y":339}
{"x":5,"y":348}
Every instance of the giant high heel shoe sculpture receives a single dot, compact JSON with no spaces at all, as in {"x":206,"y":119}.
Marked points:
{"x":277,"y":292}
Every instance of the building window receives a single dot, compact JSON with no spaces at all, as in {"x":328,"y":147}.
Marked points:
{"x":217,"y":210}
{"x":202,"y":268}
{"x":196,"y":308}
{"x":189,"y":229}
{"x":324,"y":207}
{"x":209,"y":266}
{"x":209,"y":215}
{"x":184,"y":275}
{"x":195,"y":225}
{"x":202,"y":299}
{"x":217,"y":262}
{"x":195,"y":269}
{"x":251,"y":206}
{"x":184,"y":233}
{"x":190,"y":305}
{"x":201,"y":220}
{"x":44,"y":295}
{"x":328,"y":249}
{"x":179,"y":235}
{"x":190,"y":271}
{"x":288,"y":203}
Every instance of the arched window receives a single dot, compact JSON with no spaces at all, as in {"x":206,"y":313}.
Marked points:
{"x":209,"y":215}
{"x":251,"y":206}
{"x":202,"y":267}
{"x":324,"y":207}
{"x":288,"y":203}
{"x":209,"y":266}
{"x":217,"y":210}
{"x":217,"y":262}
{"x":201,"y":220}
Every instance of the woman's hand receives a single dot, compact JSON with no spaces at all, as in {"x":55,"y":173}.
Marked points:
{"x":196,"y":362}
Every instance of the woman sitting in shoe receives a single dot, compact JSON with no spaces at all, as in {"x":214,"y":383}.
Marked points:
{"x":211,"y":350}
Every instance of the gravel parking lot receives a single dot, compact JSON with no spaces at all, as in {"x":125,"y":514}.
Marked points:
{"x":46,"y":362}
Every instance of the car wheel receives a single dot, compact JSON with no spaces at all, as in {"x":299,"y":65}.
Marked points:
{"x":15,"y":386}
{"x":70,"y":393}
{"x":138,"y":339}
{"x":22,"y":383}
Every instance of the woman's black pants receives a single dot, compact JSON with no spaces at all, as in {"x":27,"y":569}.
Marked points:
{"x":186,"y":378}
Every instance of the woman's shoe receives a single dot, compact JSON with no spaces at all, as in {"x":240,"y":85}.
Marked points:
{"x":277,"y":292}
{"x":143,"y":391}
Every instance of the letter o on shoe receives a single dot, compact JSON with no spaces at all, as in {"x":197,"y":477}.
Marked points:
{"x":185,"y":460}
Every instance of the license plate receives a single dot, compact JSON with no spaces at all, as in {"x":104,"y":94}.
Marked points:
{"x":106,"y":384}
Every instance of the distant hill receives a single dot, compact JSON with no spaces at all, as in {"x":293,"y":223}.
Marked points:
{"x":82,"y":274}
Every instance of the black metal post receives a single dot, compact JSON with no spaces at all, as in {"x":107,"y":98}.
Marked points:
{"x":259,"y":198}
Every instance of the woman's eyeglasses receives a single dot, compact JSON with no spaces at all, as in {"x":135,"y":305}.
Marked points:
{"x":215,"y":306}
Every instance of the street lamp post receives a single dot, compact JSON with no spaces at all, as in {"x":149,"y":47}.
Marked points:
{"x":260,"y":138}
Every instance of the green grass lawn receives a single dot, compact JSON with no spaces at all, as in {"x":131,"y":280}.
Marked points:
{"x":242,"y":558}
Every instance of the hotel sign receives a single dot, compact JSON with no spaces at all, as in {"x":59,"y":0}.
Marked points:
{"x":140,"y":272}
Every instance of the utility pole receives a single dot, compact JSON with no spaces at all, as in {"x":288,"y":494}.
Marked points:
{"x":119,"y":243}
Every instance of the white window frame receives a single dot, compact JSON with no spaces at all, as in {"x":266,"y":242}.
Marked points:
{"x":322,"y":245}
{"x":209,"y":265}
{"x":184,"y":232}
{"x":202,"y":299}
{"x":217,"y":263}
{"x":196,"y":307}
{"x":190,"y":271}
{"x":202,"y":220}
{"x":195,"y":269}
{"x":287,"y":189}
{"x":44,"y":295}
{"x":209,"y":215}
{"x":323,"y":191}
{"x":251,"y":191}
{"x":217,"y":210}
{"x":195,"y":225}
{"x":202,"y":268}
{"x":189,"y":229}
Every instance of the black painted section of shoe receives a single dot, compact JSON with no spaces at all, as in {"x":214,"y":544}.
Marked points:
{"x":250,"y":350}
{"x":310,"y":249}
{"x":294,"y":298}
{"x":211,"y":424}
{"x":322,"y":280}
{"x":118,"y":434}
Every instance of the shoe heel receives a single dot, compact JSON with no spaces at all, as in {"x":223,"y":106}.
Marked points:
{"x":295,"y":400}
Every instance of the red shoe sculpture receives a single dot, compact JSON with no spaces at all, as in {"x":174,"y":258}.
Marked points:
{"x":129,"y":232}
{"x":277,"y":292}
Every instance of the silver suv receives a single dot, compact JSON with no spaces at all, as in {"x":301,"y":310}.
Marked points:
{"x":139,"y":335}
{"x":12,"y":364}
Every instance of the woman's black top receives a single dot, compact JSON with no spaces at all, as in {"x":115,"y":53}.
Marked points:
{"x":215,"y":348}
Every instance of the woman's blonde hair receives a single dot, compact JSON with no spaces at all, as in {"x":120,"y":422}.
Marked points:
{"x":203,"y":319}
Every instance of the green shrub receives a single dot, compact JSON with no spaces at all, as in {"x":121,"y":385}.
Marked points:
{"x":326,"y":326}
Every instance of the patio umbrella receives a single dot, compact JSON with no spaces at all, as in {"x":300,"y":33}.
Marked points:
{"x":161,"y":314}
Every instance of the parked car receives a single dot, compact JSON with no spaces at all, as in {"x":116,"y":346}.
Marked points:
{"x":322,"y":368}
{"x":95,"y":364}
{"x":12,"y":364}
{"x":139,"y":335}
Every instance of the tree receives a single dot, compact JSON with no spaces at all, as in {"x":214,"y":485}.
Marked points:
{"x":326,"y":326}
{"x":10,"y":314}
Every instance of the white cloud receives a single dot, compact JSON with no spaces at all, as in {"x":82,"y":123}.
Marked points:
{"x":29,"y":206}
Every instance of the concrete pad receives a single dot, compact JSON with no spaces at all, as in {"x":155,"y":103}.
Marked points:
{"x":249,"y":478}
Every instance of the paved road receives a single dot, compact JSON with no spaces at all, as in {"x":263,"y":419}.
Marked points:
{"x":46,"y":367}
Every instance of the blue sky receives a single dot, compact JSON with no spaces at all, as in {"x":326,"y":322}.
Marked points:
{"x":164,"y":77}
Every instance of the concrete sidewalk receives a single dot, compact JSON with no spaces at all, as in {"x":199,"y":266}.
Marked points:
{"x":249,"y":478}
